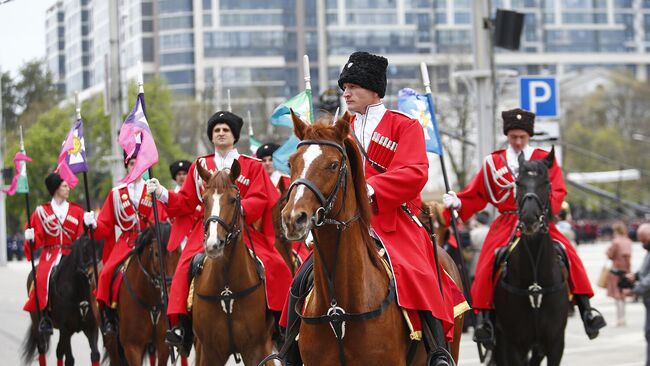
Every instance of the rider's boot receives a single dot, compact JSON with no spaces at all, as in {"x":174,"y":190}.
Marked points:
{"x":438,"y":354}
{"x":109,"y":327}
{"x":484,"y":331}
{"x":45,"y":326}
{"x":181,"y":335}
{"x":593,"y":320}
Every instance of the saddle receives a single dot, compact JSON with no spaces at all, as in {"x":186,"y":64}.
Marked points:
{"x":502,"y":254}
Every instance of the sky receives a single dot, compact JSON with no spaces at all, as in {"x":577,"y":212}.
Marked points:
{"x":22,"y":32}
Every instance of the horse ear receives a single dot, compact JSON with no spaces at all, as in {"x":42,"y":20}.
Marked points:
{"x":521,"y":159}
{"x":203,"y":173}
{"x":342,"y":126}
{"x":299,"y":126}
{"x":550,"y":158}
{"x":282,"y":187}
{"x":235,"y":170}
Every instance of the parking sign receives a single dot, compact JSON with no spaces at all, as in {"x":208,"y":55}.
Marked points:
{"x":538,"y":94}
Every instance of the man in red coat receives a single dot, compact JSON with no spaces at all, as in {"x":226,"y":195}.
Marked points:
{"x":128,"y":208}
{"x":265,"y":154}
{"x":53,"y":227}
{"x":178,"y":170}
{"x":495,"y":184}
{"x":258,"y":196}
{"x":396,"y":170}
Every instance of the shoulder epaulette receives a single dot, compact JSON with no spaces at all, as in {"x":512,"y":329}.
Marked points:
{"x":403,"y":114}
{"x":250,"y":157}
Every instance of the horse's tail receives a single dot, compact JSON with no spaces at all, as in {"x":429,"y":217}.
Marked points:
{"x":32,"y":343}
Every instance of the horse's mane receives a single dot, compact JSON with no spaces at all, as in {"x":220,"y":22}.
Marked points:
{"x":323,"y":130}
{"x":147,"y":235}
{"x":219,"y":181}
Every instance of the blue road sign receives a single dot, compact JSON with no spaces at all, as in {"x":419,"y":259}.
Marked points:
{"x":539,"y":95}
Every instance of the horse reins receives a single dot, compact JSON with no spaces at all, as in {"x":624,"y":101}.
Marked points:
{"x":335,"y":316}
{"x":227,"y":297}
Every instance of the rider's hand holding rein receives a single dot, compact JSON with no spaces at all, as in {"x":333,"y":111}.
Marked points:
{"x":451,"y":200}
{"x":154,"y":186}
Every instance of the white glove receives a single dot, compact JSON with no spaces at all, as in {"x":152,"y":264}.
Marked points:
{"x":154,"y":187}
{"x":29,"y":234}
{"x":89,"y":219}
{"x":451,"y":200}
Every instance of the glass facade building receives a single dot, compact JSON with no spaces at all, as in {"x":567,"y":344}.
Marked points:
{"x":253,"y":47}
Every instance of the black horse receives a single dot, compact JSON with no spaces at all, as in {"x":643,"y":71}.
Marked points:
{"x":531,"y":300}
{"x":72,"y":306}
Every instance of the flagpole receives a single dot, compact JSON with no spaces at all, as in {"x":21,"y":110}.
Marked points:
{"x":229,"y":105}
{"x":306,"y":72}
{"x":154,"y":200}
{"x":31,"y":241}
{"x":460,"y":261}
{"x":90,"y":230}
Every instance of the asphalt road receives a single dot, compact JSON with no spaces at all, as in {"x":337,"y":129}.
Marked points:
{"x":620,"y":346}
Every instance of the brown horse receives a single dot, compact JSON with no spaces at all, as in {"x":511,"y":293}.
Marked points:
{"x":229,"y":299}
{"x":431,"y":217}
{"x":142,"y":325}
{"x":361,"y":282}
{"x":282,"y":244}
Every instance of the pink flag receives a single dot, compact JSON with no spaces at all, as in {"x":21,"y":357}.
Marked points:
{"x":136,"y":139}
{"x":20,"y":173}
{"x":72,"y":158}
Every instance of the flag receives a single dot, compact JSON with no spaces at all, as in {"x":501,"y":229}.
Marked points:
{"x":136,"y":139}
{"x":253,"y":143}
{"x":301,"y":105}
{"x":281,"y":155}
{"x":421,"y":108}
{"x":72,"y":158}
{"x":281,"y":116}
{"x":19,"y":182}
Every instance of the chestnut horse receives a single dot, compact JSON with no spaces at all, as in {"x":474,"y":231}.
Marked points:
{"x":369,"y":324}
{"x":430,"y":216}
{"x":229,"y":299}
{"x":141,"y":315}
{"x":282,"y":244}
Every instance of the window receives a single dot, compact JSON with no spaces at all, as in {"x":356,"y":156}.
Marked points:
{"x":177,"y":58}
{"x":148,"y":49}
{"x":179,"y":77}
{"x":178,"y":22}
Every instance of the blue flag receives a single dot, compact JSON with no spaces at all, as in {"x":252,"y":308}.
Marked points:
{"x":281,"y":116}
{"x":281,"y":155}
{"x":421,"y":107}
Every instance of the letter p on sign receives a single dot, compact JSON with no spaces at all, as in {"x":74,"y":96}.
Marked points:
{"x":539,"y":95}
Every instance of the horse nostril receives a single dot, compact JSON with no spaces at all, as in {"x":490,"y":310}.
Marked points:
{"x":302,"y":218}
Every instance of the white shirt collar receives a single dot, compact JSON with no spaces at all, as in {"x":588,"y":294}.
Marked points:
{"x":275,"y":177}
{"x":365,"y":124}
{"x":135,"y":191}
{"x":225,"y":162}
{"x":512,"y":157}
{"x":60,"y":210}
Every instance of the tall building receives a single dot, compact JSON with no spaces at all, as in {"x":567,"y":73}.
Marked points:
{"x":253,"y":47}
{"x":55,"y":43}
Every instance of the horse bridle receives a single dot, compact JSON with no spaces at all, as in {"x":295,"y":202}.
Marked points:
{"x":335,"y":316}
{"x":232,"y":230}
{"x":227,"y":297}
{"x":544,"y":208}
{"x":326,"y":203}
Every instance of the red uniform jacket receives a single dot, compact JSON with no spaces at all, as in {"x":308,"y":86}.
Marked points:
{"x":119,"y":212}
{"x":55,"y":239}
{"x":258,"y":197}
{"x":494,"y":184}
{"x":409,"y":248}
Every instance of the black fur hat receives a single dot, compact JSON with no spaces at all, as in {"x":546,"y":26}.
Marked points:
{"x":178,"y":166}
{"x":53,"y":182}
{"x":266,"y":150}
{"x":232,"y":120}
{"x":518,"y":119}
{"x":366,"y":70}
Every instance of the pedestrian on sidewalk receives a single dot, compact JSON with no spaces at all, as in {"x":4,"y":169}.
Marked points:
{"x":620,"y":252}
{"x":641,"y":282}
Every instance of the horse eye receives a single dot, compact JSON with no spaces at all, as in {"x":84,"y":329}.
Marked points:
{"x":333,"y":165}
{"x":233,"y":200}
{"x":289,"y":165}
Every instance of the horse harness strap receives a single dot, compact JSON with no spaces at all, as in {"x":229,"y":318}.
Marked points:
{"x":154,"y":310}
